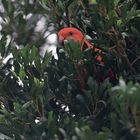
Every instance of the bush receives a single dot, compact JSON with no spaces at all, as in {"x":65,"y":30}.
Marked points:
{"x":42,"y":97}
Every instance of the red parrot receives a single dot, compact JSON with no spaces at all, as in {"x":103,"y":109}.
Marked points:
{"x":73,"y":33}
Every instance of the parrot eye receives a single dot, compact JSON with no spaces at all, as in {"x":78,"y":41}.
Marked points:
{"x":70,"y":33}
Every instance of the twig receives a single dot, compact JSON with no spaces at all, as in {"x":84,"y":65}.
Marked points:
{"x":134,"y":61}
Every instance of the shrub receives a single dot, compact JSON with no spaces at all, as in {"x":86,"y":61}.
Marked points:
{"x":41,"y":97}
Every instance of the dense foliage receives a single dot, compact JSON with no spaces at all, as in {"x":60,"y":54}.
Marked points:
{"x":41,"y":97}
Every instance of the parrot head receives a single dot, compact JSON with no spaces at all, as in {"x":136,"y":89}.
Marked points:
{"x":71,"y":33}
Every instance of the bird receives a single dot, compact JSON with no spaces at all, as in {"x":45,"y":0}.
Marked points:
{"x":72,"y":33}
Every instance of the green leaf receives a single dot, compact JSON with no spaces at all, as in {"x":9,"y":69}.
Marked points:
{"x":8,"y":5}
{"x":27,"y":104}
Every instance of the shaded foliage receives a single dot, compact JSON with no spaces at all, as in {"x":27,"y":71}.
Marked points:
{"x":41,"y":97}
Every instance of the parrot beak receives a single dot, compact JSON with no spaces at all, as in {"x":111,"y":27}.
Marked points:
{"x":60,"y":39}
